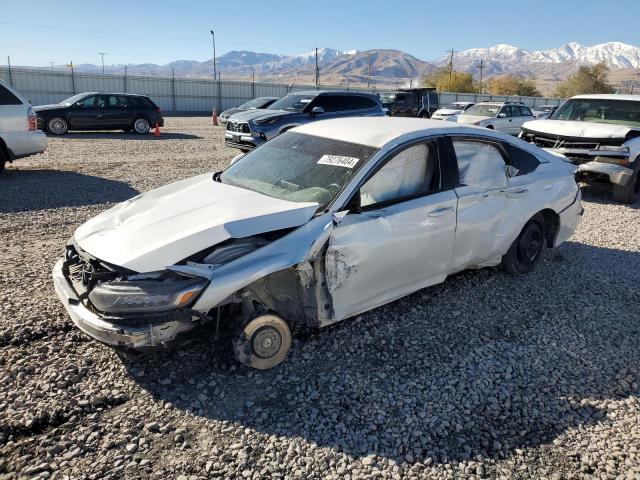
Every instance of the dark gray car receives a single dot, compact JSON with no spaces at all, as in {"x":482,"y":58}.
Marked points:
{"x":254,"y":104}
{"x":249,"y":129}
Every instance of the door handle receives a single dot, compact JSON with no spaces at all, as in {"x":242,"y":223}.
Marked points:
{"x":440,"y":211}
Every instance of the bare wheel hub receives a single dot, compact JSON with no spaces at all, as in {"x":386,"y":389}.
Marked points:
{"x":266,"y":342}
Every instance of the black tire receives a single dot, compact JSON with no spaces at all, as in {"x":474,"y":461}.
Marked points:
{"x":630,"y":192}
{"x":262,"y":343}
{"x":141,"y":125}
{"x":526,"y":250}
{"x":57,"y":126}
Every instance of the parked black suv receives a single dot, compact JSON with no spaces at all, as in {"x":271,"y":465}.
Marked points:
{"x":411,"y":102}
{"x":247,"y":130}
{"x":100,"y":111}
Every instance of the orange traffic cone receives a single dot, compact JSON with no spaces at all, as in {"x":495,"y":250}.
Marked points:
{"x":214,"y":118}
{"x":156,"y":133}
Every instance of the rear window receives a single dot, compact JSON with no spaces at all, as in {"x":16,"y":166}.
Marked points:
{"x":141,"y":102}
{"x":524,"y":161}
{"x":8,"y":98}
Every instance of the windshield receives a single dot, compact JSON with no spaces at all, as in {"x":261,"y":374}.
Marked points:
{"x":292,"y":103}
{"x":483,"y":110}
{"x":298,"y":167}
{"x":387,"y":97}
{"x":72,"y":100}
{"x":544,"y":108}
{"x":454,"y":106}
{"x":619,"y":112}
{"x":255,"y":103}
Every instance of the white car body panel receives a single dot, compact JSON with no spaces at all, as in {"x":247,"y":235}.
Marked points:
{"x":570,"y":128}
{"x":385,"y":243}
{"x":14,"y":131}
{"x":165,"y":225}
{"x":368,"y":259}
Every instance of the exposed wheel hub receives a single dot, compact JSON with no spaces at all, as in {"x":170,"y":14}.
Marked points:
{"x":530,"y":244}
{"x":266,"y":342}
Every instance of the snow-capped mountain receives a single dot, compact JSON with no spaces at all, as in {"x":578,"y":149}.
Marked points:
{"x":507,"y":58}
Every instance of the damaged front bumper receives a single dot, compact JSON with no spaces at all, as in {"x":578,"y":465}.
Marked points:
{"x":116,"y":333}
{"x":610,"y":163}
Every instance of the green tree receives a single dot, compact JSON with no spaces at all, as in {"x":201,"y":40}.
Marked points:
{"x":461,"y":82}
{"x":513,"y":85}
{"x":588,"y":79}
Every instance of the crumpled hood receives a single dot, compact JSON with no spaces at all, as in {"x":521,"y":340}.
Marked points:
{"x":567,"y":128}
{"x":252,"y":115}
{"x":161,"y":227}
{"x":54,"y":106}
{"x":462,"y":118}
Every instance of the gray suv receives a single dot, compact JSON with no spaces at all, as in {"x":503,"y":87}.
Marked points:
{"x":247,"y":130}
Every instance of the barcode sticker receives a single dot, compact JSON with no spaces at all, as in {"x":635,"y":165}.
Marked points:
{"x":338,"y":161}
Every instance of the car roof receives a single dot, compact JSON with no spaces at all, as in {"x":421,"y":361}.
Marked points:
{"x":378,"y":131}
{"x":114,"y":93}
{"x":610,"y":96}
{"x":332,"y":92}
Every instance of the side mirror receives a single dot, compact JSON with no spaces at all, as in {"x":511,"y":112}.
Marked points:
{"x":511,"y":171}
{"x":339,"y":216}
{"x":78,"y":105}
{"x":502,"y":115}
{"x":317,"y":110}
{"x":236,"y":158}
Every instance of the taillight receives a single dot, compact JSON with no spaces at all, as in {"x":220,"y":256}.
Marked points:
{"x":32,"y":120}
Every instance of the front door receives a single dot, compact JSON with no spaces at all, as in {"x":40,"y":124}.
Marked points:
{"x":397,"y":236}
{"x":84,"y":114}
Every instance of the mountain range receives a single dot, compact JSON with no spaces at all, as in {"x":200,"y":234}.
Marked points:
{"x":394,"y":67}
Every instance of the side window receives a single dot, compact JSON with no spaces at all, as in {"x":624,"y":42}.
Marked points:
{"x":411,"y":98}
{"x":8,"y":98}
{"x":401,"y":99}
{"x":480,"y":164}
{"x":526,"y":112}
{"x":88,"y":102}
{"x":504,"y":110}
{"x":330,"y":103}
{"x":358,"y":103}
{"x":117,"y":101}
{"x":522,"y":160}
{"x":410,"y":173}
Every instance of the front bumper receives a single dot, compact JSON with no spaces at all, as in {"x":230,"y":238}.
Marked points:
{"x":243,"y":141}
{"x":617,"y":174}
{"x":134,"y":337}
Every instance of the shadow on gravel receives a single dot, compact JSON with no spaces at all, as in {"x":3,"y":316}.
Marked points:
{"x":31,"y":190}
{"x":600,"y":192}
{"x":478,"y":367}
{"x":126,"y":136}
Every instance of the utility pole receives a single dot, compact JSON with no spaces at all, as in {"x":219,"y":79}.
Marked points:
{"x":102,"y":54}
{"x":481,"y":68}
{"x":633,"y":83}
{"x":317,"y":71}
{"x":10,"y":74}
{"x":450,"y":67}
{"x":51,"y":63}
{"x":369,"y":74}
{"x":213,"y":38}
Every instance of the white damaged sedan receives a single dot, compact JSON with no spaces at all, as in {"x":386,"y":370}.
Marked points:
{"x":322,"y":223}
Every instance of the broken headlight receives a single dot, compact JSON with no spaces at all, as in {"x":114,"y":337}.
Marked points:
{"x":618,"y":155}
{"x":146,"y":295}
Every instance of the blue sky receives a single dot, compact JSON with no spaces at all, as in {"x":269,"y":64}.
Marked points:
{"x":36,"y":32}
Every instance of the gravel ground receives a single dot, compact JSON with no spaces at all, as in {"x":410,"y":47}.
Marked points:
{"x":486,"y":375}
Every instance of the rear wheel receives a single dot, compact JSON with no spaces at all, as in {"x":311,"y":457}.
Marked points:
{"x":526,"y":250}
{"x":631,"y":191}
{"x":57,"y":126}
{"x":141,"y":125}
{"x":263,"y":343}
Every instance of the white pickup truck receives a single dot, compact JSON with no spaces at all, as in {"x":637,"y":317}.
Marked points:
{"x":600,"y":134}
{"x":19,"y":134}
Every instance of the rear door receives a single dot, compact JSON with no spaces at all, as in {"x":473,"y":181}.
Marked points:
{"x":525,"y":114}
{"x":118,"y":111}
{"x":398,"y":233}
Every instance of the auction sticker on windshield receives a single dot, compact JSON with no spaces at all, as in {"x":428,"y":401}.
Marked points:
{"x":338,"y":161}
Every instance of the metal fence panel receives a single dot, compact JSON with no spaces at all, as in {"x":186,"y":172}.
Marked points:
{"x":43,"y":86}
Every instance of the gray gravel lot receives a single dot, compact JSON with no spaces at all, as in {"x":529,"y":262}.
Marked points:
{"x":486,"y":375}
